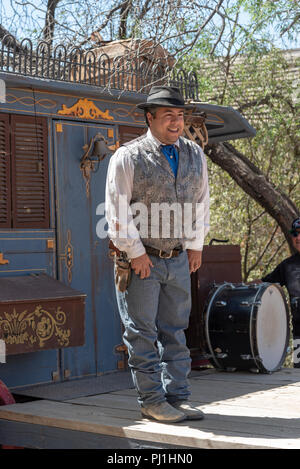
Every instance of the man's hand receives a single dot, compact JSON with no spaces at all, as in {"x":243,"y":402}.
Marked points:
{"x":195,"y":259}
{"x":141,"y":265}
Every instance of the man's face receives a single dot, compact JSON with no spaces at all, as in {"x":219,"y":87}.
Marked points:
{"x":167,"y":125}
{"x":296,"y":240}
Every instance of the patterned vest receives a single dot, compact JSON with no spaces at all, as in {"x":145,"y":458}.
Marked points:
{"x":158,"y":197}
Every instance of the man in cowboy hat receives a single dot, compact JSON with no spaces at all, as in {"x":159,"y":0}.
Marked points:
{"x":287,"y":273}
{"x":157,"y":170}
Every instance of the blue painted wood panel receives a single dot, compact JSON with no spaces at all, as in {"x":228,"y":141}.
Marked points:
{"x":83,"y":261}
{"x":27,"y":253}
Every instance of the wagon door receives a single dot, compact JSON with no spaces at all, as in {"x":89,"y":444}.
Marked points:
{"x":83,"y":261}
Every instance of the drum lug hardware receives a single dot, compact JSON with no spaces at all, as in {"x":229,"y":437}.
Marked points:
{"x":221,"y":303}
{"x":254,"y":370}
{"x":245,"y":357}
{"x":258,"y":359}
{"x":247,"y":303}
{"x":206,"y":356}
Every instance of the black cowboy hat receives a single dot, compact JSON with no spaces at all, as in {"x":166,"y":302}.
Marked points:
{"x":165,"y":96}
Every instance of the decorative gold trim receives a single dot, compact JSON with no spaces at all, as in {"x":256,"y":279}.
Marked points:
{"x":110,"y":133}
{"x":30,"y":101}
{"x":68,"y":256}
{"x":57,"y":93}
{"x":50,"y":243}
{"x":137,"y":116}
{"x":85,"y":109}
{"x":42,"y":325}
{"x":54,"y":114}
{"x":2,"y":260}
{"x":86,"y":171}
{"x":16,"y":231}
{"x":21,"y":239}
{"x":24,"y":270}
{"x":214,"y":118}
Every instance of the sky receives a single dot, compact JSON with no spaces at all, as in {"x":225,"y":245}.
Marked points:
{"x":5,"y":10}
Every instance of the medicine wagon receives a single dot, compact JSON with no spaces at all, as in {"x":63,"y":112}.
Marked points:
{"x":61,"y":117}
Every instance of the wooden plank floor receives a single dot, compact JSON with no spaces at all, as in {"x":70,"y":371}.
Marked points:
{"x":243,"y":410}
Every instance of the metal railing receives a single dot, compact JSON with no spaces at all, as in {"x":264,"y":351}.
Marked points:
{"x":79,"y":66}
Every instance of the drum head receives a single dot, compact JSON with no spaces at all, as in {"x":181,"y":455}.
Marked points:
{"x":272,"y":328}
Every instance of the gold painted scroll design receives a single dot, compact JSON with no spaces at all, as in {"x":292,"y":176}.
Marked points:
{"x":34,"y":327}
{"x":85,"y":109}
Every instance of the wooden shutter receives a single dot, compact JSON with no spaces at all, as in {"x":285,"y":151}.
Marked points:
{"x":30,"y":187}
{"x":127,"y":133}
{"x":5,"y":200}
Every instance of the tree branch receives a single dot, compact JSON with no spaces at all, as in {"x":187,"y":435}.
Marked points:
{"x":9,"y":39}
{"x":261,"y":255}
{"x":105,"y":22}
{"x":124,"y":13}
{"x":290,"y":26}
{"x":255,"y":184}
{"x":48,"y":31}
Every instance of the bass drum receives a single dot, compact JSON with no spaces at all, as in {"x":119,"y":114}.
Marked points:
{"x":247,"y":327}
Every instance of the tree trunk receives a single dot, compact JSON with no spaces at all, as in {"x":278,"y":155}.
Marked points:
{"x":48,"y":31}
{"x":255,"y":184}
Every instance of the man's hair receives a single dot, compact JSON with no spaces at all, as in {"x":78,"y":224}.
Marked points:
{"x":152,"y":111}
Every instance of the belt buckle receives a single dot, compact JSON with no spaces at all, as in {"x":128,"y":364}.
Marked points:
{"x":167,"y":256}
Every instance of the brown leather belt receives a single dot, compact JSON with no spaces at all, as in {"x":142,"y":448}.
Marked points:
{"x":163,"y":254}
{"x":152,"y":251}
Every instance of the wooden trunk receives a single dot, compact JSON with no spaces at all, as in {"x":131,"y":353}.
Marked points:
{"x":40,"y":313}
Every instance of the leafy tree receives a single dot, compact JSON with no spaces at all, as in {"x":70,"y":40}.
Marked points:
{"x":261,"y":83}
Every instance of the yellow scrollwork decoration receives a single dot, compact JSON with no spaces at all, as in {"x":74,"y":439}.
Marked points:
{"x":85,"y":109}
{"x":40,"y":325}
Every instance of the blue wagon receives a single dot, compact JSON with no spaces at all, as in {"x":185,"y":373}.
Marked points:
{"x":58,"y":313}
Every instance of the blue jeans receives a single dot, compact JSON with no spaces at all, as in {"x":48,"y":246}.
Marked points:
{"x":155,"y":312}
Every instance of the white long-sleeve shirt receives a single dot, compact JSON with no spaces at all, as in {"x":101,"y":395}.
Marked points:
{"x":119,"y":183}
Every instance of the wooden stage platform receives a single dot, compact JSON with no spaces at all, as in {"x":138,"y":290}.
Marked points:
{"x":243,"y":410}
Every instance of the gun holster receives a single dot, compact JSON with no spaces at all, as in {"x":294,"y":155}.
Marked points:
{"x":122,"y":267}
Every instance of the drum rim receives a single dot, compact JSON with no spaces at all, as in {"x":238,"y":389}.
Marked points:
{"x":210,"y":303}
{"x":253,"y":316}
